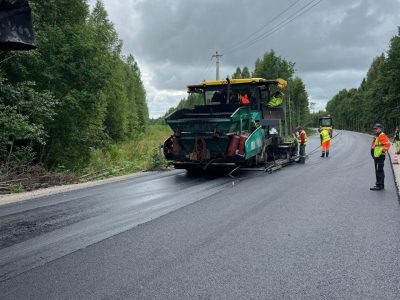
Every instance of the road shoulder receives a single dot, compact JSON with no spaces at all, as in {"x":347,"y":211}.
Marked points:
{"x":12,"y":198}
{"x":394,"y":160}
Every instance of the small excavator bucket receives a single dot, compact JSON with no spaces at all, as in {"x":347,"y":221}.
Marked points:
{"x":16,"y":32}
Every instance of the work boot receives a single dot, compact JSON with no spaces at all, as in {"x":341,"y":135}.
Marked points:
{"x":327,"y":154}
{"x":376,"y":188}
{"x":323,"y":154}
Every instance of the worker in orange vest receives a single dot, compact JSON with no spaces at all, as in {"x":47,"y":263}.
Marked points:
{"x":379,"y":147}
{"x":302,"y":140}
{"x":244,"y":99}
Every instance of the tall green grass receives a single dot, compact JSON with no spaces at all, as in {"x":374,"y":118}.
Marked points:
{"x":142,"y":154}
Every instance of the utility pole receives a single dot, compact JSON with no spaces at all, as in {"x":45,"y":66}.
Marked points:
{"x":217,"y":56}
{"x":290,"y":114}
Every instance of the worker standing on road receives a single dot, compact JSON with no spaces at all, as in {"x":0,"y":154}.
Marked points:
{"x":302,"y":140}
{"x":325,"y":142}
{"x":379,"y":147}
{"x":396,"y":139}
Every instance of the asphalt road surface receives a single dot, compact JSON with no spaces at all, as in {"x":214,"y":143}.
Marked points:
{"x":312,"y":231}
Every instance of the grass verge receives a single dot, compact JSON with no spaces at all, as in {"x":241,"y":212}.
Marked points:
{"x":141,"y":154}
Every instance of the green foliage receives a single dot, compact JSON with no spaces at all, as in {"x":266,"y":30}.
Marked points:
{"x":237,"y":74}
{"x":377,"y":100}
{"x":24,"y":119}
{"x":131,"y":156}
{"x":157,"y":159}
{"x":101,"y":98}
{"x":241,"y":73}
{"x":17,"y":188}
{"x":272,"y":66}
{"x":297,"y":102}
{"x":189,"y":102}
{"x":245,"y":72}
{"x":314,"y":118}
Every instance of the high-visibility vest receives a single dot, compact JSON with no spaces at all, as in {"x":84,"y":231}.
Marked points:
{"x":305,"y":137}
{"x":275,"y":101}
{"x":244,"y":99}
{"x":325,"y":135}
{"x":378,"y":146}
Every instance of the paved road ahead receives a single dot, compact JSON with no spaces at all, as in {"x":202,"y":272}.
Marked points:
{"x":306,"y":231}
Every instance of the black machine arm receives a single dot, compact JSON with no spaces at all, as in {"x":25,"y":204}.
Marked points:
{"x":16,"y":32}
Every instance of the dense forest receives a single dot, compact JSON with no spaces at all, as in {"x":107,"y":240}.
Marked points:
{"x":76,"y":92}
{"x":270,"y":66}
{"x":376,"y":100}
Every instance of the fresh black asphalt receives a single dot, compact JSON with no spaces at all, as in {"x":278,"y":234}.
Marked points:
{"x":312,"y":231}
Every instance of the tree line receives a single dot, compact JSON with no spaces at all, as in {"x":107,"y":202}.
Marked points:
{"x":270,"y":66}
{"x":376,"y":100}
{"x":75,"y":93}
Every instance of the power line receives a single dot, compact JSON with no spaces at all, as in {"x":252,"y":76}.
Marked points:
{"x":265,"y":25}
{"x":285,"y":22}
{"x":267,"y":33}
{"x":208,"y":68}
{"x":280,"y":25}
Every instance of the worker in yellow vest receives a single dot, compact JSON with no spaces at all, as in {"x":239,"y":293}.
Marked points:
{"x":276,"y":99}
{"x":379,"y":147}
{"x":325,"y":142}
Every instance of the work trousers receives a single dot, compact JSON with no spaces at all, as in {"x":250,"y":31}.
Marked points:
{"x":325,"y":146}
{"x":379,"y":172}
{"x":302,"y":153}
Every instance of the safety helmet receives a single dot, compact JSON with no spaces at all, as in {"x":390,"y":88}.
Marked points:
{"x":273,"y":131}
{"x":377,"y":125}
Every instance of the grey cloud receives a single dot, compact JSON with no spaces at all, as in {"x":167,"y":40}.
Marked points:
{"x":322,"y":86}
{"x":176,"y":38}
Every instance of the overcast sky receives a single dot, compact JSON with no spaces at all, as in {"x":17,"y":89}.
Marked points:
{"x":332,"y":42}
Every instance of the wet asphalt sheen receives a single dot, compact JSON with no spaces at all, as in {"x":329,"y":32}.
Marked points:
{"x":312,"y":231}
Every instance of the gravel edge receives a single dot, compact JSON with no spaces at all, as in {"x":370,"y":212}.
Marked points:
{"x":12,"y":198}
